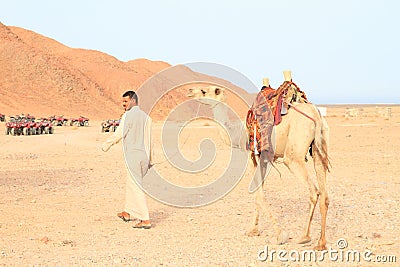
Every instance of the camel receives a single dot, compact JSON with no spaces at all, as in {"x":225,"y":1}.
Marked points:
{"x":301,"y":130}
{"x":214,"y":97}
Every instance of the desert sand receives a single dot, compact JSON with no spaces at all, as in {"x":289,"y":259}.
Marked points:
{"x":60,"y":195}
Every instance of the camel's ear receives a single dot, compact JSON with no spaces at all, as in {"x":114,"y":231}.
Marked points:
{"x":287,"y":74}
{"x":219,"y":94}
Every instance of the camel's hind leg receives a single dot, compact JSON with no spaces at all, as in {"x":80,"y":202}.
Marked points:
{"x":320,"y":170}
{"x":298,"y":168}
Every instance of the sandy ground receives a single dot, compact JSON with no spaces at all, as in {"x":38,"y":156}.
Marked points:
{"x":60,"y":194}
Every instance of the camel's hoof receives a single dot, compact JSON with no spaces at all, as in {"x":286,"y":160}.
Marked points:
{"x":304,"y":240}
{"x":253,"y":232}
{"x":320,"y":247}
{"x":282,"y":238}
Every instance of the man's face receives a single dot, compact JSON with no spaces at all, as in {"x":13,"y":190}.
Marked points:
{"x":128,"y":103}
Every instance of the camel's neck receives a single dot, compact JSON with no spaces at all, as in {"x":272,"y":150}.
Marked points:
{"x":220,"y":112}
{"x":219,"y":109}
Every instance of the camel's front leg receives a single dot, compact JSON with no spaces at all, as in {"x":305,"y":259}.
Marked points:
{"x":258,"y":199}
{"x":261,"y":205}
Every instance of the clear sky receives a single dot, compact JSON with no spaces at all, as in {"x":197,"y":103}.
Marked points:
{"x":342,"y":51}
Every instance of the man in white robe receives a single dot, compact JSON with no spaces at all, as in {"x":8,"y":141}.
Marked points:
{"x":135,"y":132}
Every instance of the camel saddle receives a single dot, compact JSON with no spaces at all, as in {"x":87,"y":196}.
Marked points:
{"x":277,"y":101}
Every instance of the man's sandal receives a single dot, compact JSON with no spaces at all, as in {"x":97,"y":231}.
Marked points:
{"x":126,"y":217}
{"x":142,"y":225}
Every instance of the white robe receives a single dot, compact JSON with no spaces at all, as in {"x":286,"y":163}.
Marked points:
{"x":135,"y":132}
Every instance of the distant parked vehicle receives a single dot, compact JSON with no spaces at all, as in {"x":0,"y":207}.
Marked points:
{"x":20,"y":125}
{"x":81,"y":121}
{"x":30,"y":117}
{"x":29,"y":126}
{"x":45,"y":126}
{"x":109,"y":125}
{"x":58,"y":120}
{"x":13,"y":127}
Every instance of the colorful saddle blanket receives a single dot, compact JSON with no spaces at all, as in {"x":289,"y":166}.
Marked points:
{"x":267,"y":111}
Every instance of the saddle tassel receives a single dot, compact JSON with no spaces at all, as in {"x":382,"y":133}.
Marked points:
{"x":255,"y":139}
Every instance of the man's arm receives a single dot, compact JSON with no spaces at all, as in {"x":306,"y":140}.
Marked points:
{"x":115,"y":137}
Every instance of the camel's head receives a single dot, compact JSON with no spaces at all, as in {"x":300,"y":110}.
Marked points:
{"x":196,"y":93}
{"x":210,"y":92}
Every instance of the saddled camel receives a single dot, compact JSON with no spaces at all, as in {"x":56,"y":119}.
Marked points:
{"x":301,"y":128}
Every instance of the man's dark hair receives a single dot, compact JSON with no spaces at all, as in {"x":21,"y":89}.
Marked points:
{"x":131,"y":94}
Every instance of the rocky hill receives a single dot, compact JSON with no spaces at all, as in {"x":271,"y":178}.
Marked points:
{"x":41,"y":76}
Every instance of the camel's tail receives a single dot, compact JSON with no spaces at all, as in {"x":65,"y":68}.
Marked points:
{"x":321,"y":141}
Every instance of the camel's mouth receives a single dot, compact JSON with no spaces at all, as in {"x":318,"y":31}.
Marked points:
{"x":190,"y":93}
